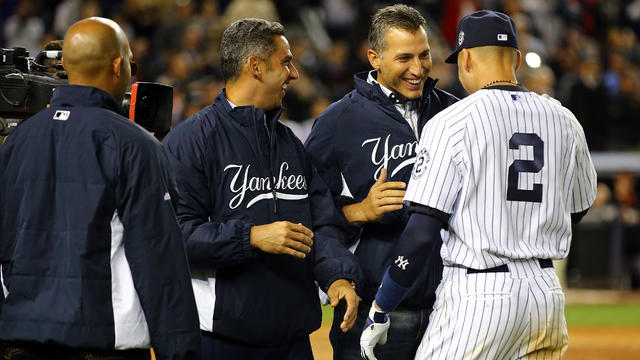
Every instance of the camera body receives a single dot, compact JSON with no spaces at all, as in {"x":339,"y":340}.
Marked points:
{"x":26,"y":88}
{"x":22,"y":92}
{"x":14,"y":58}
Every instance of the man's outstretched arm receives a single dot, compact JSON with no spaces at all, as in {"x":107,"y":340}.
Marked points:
{"x":411,"y":254}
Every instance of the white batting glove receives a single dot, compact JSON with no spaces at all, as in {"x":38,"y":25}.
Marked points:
{"x":552,"y":99}
{"x":374,"y":332}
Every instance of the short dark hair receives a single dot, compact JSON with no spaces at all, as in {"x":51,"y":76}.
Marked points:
{"x":244,"y":38}
{"x":395,"y":16}
{"x":53,"y":45}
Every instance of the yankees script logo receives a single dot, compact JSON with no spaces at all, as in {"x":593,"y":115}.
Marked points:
{"x":284,"y":182}
{"x":399,"y":151}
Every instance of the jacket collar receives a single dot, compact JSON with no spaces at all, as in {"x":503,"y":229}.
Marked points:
{"x":375,"y":93}
{"x":85,"y":96}
{"x":246,"y":115}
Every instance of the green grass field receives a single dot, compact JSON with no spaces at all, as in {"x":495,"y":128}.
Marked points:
{"x":625,"y":315}
{"x":613,"y":315}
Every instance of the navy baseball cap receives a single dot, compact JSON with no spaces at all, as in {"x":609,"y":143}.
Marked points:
{"x":484,"y":28}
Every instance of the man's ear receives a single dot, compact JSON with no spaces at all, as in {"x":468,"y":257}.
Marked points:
{"x":518,"y":60}
{"x":374,"y":59}
{"x":465,"y":59}
{"x":255,"y":66}
{"x":117,"y":65}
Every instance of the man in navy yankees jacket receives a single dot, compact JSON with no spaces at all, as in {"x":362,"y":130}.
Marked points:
{"x":93,"y":263}
{"x":258,"y":221}
{"x":364,"y":147}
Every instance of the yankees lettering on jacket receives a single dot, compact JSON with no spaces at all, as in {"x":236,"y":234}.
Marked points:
{"x":382,"y":151}
{"x":260,"y":188}
{"x":227,"y":162}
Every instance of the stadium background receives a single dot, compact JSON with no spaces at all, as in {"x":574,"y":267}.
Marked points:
{"x":583,"y":52}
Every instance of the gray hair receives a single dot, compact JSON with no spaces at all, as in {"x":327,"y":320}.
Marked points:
{"x":245,"y":38}
{"x":395,"y":16}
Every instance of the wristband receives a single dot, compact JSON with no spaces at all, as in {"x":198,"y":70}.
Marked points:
{"x":376,"y":315}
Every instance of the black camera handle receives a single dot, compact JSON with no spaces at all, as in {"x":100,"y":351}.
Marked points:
{"x":25,"y":79}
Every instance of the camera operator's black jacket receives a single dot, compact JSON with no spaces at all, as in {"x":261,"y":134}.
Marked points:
{"x":226,"y":162}
{"x":91,"y":252}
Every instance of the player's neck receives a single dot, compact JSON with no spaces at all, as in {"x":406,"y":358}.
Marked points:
{"x":495,"y":77}
{"x":500,"y":82}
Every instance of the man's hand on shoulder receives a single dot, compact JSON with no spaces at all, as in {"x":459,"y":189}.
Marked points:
{"x":374,"y":332}
{"x":344,"y":289}
{"x":383,"y":197}
{"x":282,"y":237}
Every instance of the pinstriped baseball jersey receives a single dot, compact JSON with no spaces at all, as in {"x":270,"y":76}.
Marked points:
{"x":510,"y":167}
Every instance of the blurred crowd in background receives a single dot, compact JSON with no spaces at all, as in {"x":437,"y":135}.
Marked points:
{"x":585,"y":53}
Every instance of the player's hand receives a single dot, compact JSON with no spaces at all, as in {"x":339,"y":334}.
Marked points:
{"x":383,"y":197}
{"x":282,"y":237}
{"x":552,"y":99}
{"x":343,"y":289}
{"x":374,"y":332}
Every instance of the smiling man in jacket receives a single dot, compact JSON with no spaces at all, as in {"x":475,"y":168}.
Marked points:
{"x":364,"y":147}
{"x":258,"y":221}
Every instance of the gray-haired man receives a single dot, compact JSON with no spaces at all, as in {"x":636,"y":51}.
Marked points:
{"x":258,"y":221}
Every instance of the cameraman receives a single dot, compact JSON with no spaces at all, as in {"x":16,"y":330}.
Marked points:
{"x":93,"y":263}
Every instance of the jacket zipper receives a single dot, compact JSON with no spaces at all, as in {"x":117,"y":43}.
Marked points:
{"x":270,"y":153}
{"x":272,"y":136}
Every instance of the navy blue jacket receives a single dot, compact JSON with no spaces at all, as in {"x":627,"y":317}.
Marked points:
{"x":226,"y":161}
{"x":90,"y":248}
{"x":352,"y":140}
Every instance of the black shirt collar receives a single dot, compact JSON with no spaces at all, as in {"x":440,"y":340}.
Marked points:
{"x":507,"y":88}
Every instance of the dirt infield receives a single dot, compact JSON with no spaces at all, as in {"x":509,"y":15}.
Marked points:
{"x":584,"y":343}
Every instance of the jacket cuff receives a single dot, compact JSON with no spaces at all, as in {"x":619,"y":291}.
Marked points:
{"x":344,"y":200}
{"x":247,"y":251}
{"x":353,"y":278}
{"x":352,"y":231}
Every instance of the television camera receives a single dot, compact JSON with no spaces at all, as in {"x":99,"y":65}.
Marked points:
{"x":27,"y":84}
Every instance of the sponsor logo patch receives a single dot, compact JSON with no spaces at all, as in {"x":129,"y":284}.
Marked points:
{"x":61,"y":115}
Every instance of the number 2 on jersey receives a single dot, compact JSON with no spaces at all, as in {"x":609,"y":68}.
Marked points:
{"x":526,"y":166}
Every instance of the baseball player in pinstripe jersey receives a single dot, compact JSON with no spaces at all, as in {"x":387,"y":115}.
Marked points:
{"x":500,"y":176}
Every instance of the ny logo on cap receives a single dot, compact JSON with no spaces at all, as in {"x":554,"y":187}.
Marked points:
{"x":503,"y":37}
{"x":460,"y":38}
